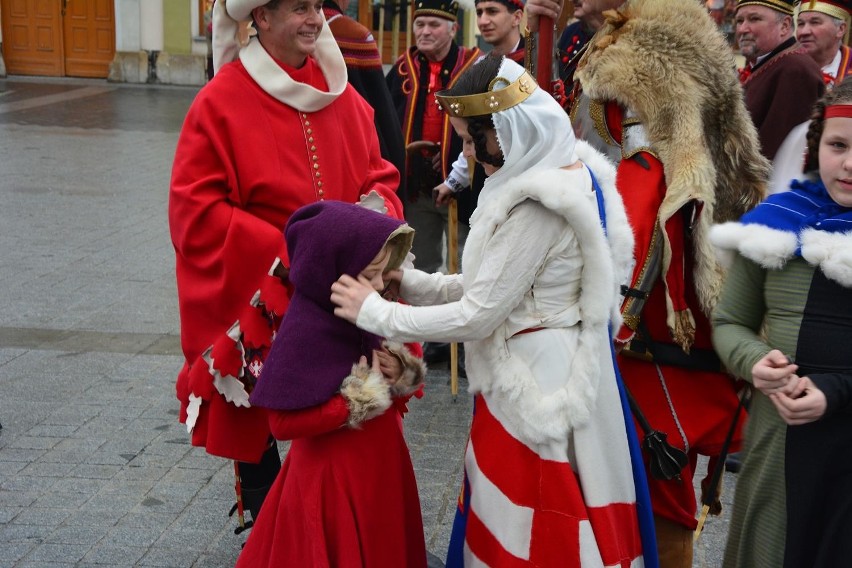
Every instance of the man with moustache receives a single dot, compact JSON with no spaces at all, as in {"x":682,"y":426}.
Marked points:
{"x":822,"y":28}
{"x":260,"y":140}
{"x":431,"y":65}
{"x":781,"y":81}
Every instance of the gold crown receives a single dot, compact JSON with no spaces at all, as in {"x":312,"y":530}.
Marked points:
{"x":490,"y":101}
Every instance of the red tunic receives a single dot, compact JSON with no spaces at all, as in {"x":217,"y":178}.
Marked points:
{"x":244,"y":163}
{"x":694,"y":404}
{"x":345,"y":498}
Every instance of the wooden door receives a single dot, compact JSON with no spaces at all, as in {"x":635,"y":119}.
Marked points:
{"x":89,"y":37}
{"x":32,"y":37}
{"x":74,"y":38}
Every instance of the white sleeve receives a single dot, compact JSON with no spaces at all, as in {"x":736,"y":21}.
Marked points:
{"x":511,"y":259}
{"x":459,"y":176}
{"x":423,"y":289}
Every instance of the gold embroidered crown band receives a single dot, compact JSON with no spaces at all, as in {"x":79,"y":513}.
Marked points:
{"x":490,"y":101}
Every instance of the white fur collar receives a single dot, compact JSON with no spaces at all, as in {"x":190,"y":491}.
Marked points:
{"x":607,"y":263}
{"x":771,"y":248}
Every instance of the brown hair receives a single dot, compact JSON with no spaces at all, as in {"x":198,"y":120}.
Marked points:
{"x":473,"y":82}
{"x":840,"y":94}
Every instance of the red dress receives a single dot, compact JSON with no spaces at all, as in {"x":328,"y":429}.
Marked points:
{"x":345,"y":497}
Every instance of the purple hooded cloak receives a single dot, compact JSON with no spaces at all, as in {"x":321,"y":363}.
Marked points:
{"x":314,"y":350}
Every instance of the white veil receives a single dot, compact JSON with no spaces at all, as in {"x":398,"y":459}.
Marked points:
{"x":535,"y":134}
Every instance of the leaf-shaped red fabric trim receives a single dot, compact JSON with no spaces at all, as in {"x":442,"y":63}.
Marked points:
{"x":227,"y":356}
{"x":257,"y":332}
{"x":200,"y":380}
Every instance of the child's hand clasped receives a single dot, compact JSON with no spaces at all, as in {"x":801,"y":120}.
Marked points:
{"x":389,"y":364}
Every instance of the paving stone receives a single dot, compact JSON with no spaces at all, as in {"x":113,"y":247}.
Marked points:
{"x":75,"y":534}
{"x":42,"y":516}
{"x":115,"y":555}
{"x":12,"y":552}
{"x":170,"y":557}
{"x":57,"y":553}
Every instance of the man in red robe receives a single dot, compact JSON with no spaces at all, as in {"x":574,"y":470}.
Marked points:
{"x":260,"y":140}
{"x":822,"y":28}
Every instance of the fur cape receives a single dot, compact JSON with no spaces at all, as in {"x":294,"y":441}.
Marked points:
{"x":667,"y":61}
{"x":607,"y":263}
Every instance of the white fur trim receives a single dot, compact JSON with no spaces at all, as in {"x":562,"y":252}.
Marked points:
{"x":507,"y":380}
{"x":768,"y":247}
{"x":832,"y":252}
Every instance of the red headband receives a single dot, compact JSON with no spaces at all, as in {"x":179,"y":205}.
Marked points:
{"x":841,"y":111}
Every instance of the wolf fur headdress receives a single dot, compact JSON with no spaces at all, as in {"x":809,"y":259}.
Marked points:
{"x":667,"y":61}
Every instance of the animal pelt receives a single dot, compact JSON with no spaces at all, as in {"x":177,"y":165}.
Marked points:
{"x":667,"y":61}
{"x":606,"y":263}
{"x":413,"y":369}
{"x":367,"y":394}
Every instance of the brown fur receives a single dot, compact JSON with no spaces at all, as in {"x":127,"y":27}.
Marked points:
{"x":366,"y":393}
{"x":413,"y":369}
{"x":667,"y":61}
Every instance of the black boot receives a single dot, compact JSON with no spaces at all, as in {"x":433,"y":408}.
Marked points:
{"x":257,"y":478}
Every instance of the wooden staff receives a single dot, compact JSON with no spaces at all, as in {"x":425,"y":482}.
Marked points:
{"x":408,"y":14}
{"x":453,"y":268}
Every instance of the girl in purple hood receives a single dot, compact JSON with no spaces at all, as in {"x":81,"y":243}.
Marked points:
{"x":346,"y":494}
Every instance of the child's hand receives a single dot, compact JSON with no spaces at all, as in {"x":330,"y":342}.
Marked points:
{"x":392,"y":279}
{"x":775,"y":373}
{"x":389,"y":365}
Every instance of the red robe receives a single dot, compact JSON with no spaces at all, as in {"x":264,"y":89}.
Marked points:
{"x":344,"y":498}
{"x":244,"y":163}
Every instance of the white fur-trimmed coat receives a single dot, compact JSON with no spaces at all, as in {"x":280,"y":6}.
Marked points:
{"x":536,"y":256}
{"x":502,"y":372}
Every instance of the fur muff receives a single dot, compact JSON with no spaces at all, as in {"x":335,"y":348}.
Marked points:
{"x":367,"y":394}
{"x":606,"y":264}
{"x":667,"y":61}
{"x":413,"y":369}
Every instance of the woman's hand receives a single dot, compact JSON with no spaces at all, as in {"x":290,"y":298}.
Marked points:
{"x":348,"y":294}
{"x":775,"y":373}
{"x":806,"y":403}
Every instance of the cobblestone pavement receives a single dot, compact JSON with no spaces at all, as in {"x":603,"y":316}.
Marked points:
{"x":94,"y":467}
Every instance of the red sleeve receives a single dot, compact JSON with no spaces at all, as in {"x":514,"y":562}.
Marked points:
{"x":313,"y":421}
